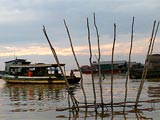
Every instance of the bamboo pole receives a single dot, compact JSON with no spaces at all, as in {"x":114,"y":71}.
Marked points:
{"x":155,"y":36}
{"x":112,"y":66}
{"x":145,"y":66}
{"x":147,"y":62}
{"x":90,"y":60}
{"x":151,"y":49}
{"x":70,"y":40}
{"x":99,"y":57}
{"x":74,"y":101}
{"x":128,"y":70}
{"x":116,"y":104}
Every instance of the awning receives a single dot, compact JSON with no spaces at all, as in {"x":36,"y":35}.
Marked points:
{"x":35,"y":65}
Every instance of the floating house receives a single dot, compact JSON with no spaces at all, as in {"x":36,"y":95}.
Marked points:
{"x":106,"y":66}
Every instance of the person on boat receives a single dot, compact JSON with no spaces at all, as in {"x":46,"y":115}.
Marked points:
{"x":30,"y":73}
{"x":72,"y":73}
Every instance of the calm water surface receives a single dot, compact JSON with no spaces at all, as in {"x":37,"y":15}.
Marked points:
{"x":39,"y":102}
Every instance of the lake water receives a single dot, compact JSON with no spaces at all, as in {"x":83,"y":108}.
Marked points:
{"x":39,"y":102}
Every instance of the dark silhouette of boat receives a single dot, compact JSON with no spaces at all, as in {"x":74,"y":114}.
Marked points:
{"x":153,"y":68}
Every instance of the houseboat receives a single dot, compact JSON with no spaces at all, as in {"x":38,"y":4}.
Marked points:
{"x":21,"y":71}
{"x":106,"y":66}
{"x":153,"y":68}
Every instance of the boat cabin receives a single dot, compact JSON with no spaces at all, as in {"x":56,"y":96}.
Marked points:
{"x":15,"y":62}
{"x":35,"y":69}
{"x":20,"y":71}
{"x":20,"y":67}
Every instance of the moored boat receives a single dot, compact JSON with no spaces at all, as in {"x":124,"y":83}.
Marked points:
{"x":153,"y":68}
{"x":106,"y":67}
{"x":36,"y":73}
{"x":136,"y":73}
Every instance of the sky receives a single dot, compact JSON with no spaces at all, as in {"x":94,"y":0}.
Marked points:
{"x":21,"y":24}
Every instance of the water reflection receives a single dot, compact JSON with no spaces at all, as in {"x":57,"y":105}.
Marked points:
{"x":44,"y":99}
{"x":25,"y":92}
{"x":154,"y":91}
{"x":145,"y":110}
{"x":33,"y":97}
{"x":137,"y":114}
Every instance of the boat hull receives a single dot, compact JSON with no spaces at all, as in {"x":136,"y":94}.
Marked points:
{"x":151,"y":73}
{"x":40,"y":80}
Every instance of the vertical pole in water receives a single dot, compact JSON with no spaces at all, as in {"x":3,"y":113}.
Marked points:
{"x":90,"y":60}
{"x":74,"y":101}
{"x":70,"y":40}
{"x":154,"y":37}
{"x":151,"y":44}
{"x":112,"y":67}
{"x":128,"y":70}
{"x":99,"y":67}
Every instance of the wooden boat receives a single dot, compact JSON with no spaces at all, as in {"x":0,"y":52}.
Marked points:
{"x":38,"y":73}
{"x":153,"y":69}
{"x":137,"y":73}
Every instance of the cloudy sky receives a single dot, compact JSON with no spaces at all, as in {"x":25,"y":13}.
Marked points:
{"x":21,"y":23}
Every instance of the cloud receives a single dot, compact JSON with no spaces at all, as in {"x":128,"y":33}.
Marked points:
{"x":11,"y":12}
{"x":15,"y":16}
{"x":122,"y":46}
{"x":21,"y":26}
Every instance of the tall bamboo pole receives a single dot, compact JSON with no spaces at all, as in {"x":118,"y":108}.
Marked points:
{"x":154,"y":37}
{"x":74,"y":101}
{"x":112,"y":66}
{"x":145,"y":66}
{"x":90,"y":60}
{"x":70,"y":40}
{"x":149,"y":53}
{"x":99,"y":67}
{"x":128,"y":70}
